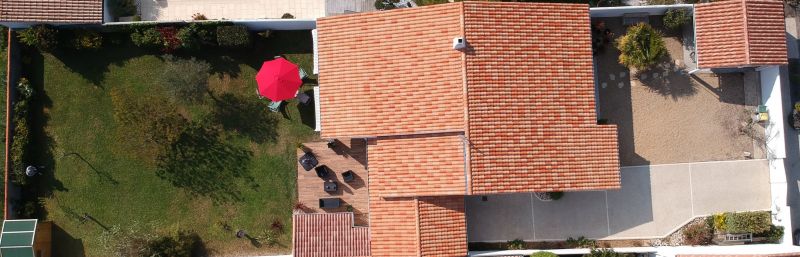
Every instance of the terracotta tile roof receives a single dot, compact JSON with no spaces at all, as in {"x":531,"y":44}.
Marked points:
{"x":530,"y":94}
{"x":393,"y":226}
{"x":740,"y":33}
{"x":442,"y":226}
{"x":381,"y":73}
{"x":417,"y":165}
{"x":55,"y":11}
{"x":329,"y":234}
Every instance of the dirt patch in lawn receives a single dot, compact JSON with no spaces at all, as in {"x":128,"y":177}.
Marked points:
{"x":665,"y":115}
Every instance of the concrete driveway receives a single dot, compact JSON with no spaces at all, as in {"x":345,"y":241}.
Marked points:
{"x":653,"y":202}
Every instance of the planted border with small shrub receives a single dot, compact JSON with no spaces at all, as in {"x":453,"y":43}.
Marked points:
{"x":233,"y":36}
{"x":748,"y":222}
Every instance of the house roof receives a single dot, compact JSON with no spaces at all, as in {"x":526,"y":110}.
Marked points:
{"x":738,"y":33}
{"x":530,"y":93}
{"x":329,"y":234}
{"x":52,"y":11}
{"x":417,"y":165}
{"x":381,"y":73}
{"x":424,"y":226}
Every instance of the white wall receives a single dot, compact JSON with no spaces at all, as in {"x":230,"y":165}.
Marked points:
{"x":620,"y":10}
{"x":279,"y":24}
{"x":665,"y":251}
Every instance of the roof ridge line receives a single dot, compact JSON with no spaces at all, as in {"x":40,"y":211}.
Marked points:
{"x":467,"y":152}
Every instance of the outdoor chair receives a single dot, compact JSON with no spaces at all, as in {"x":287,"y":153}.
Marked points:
{"x":329,"y":203}
{"x":322,"y":171}
{"x":348,"y":176}
{"x":275,"y":106}
{"x":303,"y":98}
{"x":308,"y":161}
{"x":330,"y":186}
{"x":303,"y":74}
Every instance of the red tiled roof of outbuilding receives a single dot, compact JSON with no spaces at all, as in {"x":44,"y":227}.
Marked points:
{"x":328,"y":235}
{"x":442,"y":226}
{"x":737,"y":33}
{"x":530,"y":95}
{"x":52,"y":11}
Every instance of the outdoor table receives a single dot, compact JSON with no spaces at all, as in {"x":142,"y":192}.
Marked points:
{"x":308,"y":161}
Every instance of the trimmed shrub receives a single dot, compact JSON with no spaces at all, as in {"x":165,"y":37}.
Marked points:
{"x":42,"y":37}
{"x":675,"y":18}
{"x":516,"y":244}
{"x":773,"y":235}
{"x":186,"y":79}
{"x":122,"y":8}
{"x":233,"y":36}
{"x":194,"y":36}
{"x":719,"y":222}
{"x":21,"y":134}
{"x":87,"y":39}
{"x":580,"y":242}
{"x":603,"y":252}
{"x":147,"y":37}
{"x":698,"y":234}
{"x":544,"y":254}
{"x":287,"y":16}
{"x":556,"y":195}
{"x":641,"y":47}
{"x":748,"y":222}
{"x":169,"y":37}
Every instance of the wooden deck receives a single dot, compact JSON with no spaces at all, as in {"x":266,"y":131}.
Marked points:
{"x":348,"y":155}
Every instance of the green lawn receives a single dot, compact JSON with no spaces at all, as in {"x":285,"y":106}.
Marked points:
{"x":112,"y":177}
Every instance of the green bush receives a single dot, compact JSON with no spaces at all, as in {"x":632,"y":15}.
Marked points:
{"x":641,"y":47}
{"x":580,"y":242}
{"x":186,"y":79}
{"x":147,"y":37}
{"x":122,"y":8}
{"x":42,"y":37}
{"x":719,"y":222}
{"x":21,"y":133}
{"x":149,"y":123}
{"x":602,"y":252}
{"x":698,"y":234}
{"x":194,"y":36}
{"x":3,"y":37}
{"x":544,"y":254}
{"x":516,"y":244}
{"x":556,"y":195}
{"x":748,"y":222}
{"x":773,"y":235}
{"x":87,"y":39}
{"x":233,"y":36}
{"x":179,"y":245}
{"x":675,"y":18}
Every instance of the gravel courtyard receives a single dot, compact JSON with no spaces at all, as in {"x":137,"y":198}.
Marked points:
{"x":668,"y":116}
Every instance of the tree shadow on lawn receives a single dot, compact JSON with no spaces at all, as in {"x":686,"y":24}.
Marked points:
{"x":65,"y":244}
{"x":92,"y":65}
{"x":202,"y":162}
{"x":247,"y":115}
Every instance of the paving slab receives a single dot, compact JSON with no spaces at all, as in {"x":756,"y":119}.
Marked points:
{"x":500,"y":217}
{"x":576,"y":214}
{"x":730,"y":186}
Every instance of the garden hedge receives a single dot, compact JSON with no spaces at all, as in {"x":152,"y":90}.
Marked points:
{"x":748,"y":222}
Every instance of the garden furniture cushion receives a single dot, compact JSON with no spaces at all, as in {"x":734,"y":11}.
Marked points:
{"x":322,"y":171}
{"x":348,"y":176}
{"x":327,"y":203}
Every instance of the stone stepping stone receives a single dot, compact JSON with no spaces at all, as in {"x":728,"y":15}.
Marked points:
{"x":604,"y":85}
{"x":620,"y":85}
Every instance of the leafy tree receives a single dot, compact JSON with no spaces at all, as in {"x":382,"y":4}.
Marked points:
{"x":641,"y":47}
{"x":675,"y":18}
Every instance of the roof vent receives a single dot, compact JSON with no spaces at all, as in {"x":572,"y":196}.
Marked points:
{"x":459,"y":43}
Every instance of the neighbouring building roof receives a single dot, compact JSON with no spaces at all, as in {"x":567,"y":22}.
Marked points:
{"x":52,"y":11}
{"x":330,"y":234}
{"x":739,"y":33}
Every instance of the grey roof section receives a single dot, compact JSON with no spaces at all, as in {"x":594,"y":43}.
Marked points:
{"x":339,"y":7}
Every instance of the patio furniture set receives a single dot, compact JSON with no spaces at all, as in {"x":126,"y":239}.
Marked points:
{"x":280,"y":80}
{"x":309,"y":162}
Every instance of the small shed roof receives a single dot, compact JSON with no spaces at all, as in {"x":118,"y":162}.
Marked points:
{"x":16,"y":239}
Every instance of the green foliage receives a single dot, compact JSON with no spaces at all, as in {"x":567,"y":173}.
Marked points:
{"x":233,"y":36}
{"x":122,"y":8}
{"x":556,"y":195}
{"x":671,"y":2}
{"x":423,"y":2}
{"x":3,"y":37}
{"x":603,"y":252}
{"x":42,"y":37}
{"x":179,"y":245}
{"x":384,"y":5}
{"x":698,"y":234}
{"x":186,"y":79}
{"x":719,"y":222}
{"x":516,"y":244}
{"x":580,"y":242}
{"x":127,"y":242}
{"x":195,"y":35}
{"x":21,"y":136}
{"x":147,"y":122}
{"x":641,"y":47}
{"x":675,"y":18}
{"x":773,"y":235}
{"x":147,"y":37}
{"x":544,"y":254}
{"x":87,"y":39}
{"x":748,"y":222}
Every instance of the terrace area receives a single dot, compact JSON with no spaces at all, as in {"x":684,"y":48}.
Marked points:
{"x":666,"y":115}
{"x":343,"y":156}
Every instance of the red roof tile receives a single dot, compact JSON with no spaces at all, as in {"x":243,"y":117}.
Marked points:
{"x":417,"y":165}
{"x":442,"y":226}
{"x":740,"y":33}
{"x":328,"y":235}
{"x":55,"y":11}
{"x":393,"y":226}
{"x":530,"y":95}
{"x":384,"y":73}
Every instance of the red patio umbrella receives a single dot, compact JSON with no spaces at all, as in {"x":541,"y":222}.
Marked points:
{"x":278,"y":80}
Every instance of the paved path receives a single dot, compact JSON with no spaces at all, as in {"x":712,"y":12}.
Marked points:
{"x":654,"y":201}
{"x":173,"y":10}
